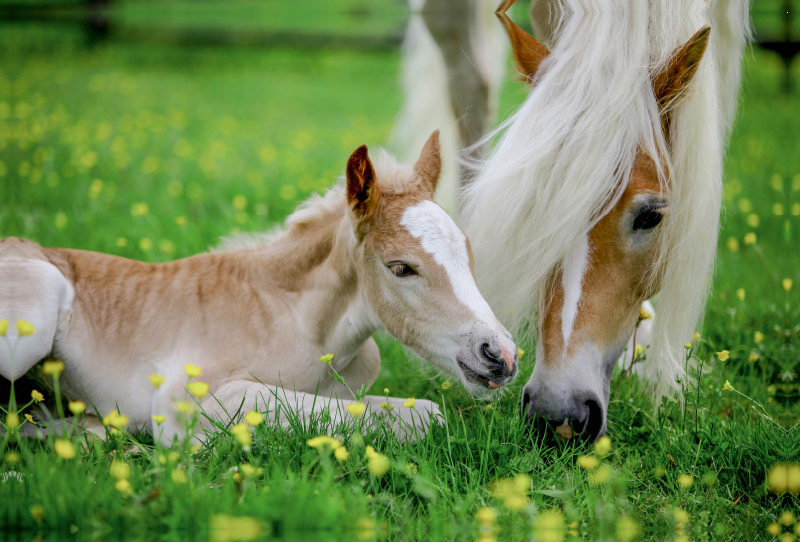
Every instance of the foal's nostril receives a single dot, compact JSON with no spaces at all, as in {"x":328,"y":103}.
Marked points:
{"x":492,"y":353}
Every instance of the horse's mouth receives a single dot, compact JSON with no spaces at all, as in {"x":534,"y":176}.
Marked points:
{"x":476,"y":377}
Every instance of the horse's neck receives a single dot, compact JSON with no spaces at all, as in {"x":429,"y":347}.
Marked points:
{"x":313,"y":266}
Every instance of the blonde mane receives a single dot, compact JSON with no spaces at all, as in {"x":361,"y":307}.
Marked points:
{"x":564,"y":157}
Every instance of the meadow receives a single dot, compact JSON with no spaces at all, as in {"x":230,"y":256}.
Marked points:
{"x":154,"y":152}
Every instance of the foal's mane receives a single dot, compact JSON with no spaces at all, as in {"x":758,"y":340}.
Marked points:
{"x":564,"y":158}
{"x":392,"y":176}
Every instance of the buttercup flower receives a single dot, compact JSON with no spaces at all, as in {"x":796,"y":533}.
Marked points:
{"x":513,"y":491}
{"x":326,"y":359}
{"x":179,"y":476}
{"x":30,"y":419}
{"x":159,"y":419}
{"x":750,"y":238}
{"x":696,"y":336}
{"x":25,"y":328}
{"x":549,"y":526}
{"x":192,"y":370}
{"x":120,"y":470}
{"x":758,"y":338}
{"x":250,"y":470}
{"x":341,"y":453}
{"x":77,"y":407}
{"x":724,"y":355}
{"x":156,"y":380}
{"x":224,"y":528}
{"x":37,"y":397}
{"x":787,"y":285}
{"x":378,"y":464}
{"x":486,"y":515}
{"x":3,"y":327}
{"x":242,"y":434}
{"x":12,"y":420}
{"x":601,"y":475}
{"x":753,"y":356}
{"x":123,"y":486}
{"x":184,"y":406}
{"x":64,"y":448}
{"x":603,"y":446}
{"x":727,"y":386}
{"x":685,"y":480}
{"x":388,"y":407}
{"x":254,"y":418}
{"x":681,"y":516}
{"x":588,"y":462}
{"x":198,"y":389}
{"x":116,"y":420}
{"x":520,"y":353}
{"x":627,"y":528}
{"x":643,"y":314}
{"x":410,"y":402}
{"x":787,"y":518}
{"x":356,"y":409}
{"x":53,"y":368}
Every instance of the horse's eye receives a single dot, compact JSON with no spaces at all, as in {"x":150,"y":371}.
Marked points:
{"x":402,"y":270}
{"x":647,"y":219}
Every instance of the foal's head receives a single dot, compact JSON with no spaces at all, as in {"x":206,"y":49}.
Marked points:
{"x":591,"y":302}
{"x":416,"y":268}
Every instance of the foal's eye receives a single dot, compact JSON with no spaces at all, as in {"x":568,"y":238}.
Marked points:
{"x":647,"y":219}
{"x":402,"y":270}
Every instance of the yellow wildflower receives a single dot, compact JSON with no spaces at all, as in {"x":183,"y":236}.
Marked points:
{"x":341,"y":453}
{"x":513,"y":491}
{"x":3,"y":327}
{"x":520,"y":352}
{"x":77,"y":407}
{"x":198,"y":389}
{"x":783,"y":477}
{"x":696,"y":336}
{"x":549,"y":526}
{"x":179,"y":476}
{"x":25,"y":328}
{"x":250,"y":470}
{"x":116,"y":420}
{"x":774,"y":528}
{"x":386,"y":391}
{"x":356,"y":409}
{"x":326,"y":359}
{"x":446,"y":385}
{"x":388,"y":407}
{"x":156,"y":380}
{"x":588,"y":462}
{"x":64,"y":448}
{"x":195,"y":447}
{"x":184,"y":406}
{"x":30,"y":419}
{"x":733,"y":244}
{"x":750,"y":238}
{"x":254,"y":418}
{"x":192,"y":370}
{"x":410,"y":402}
{"x":601,"y":475}
{"x":37,"y":397}
{"x":787,"y":518}
{"x":643,"y":314}
{"x":740,"y":294}
{"x":638,"y":350}
{"x":37,"y":513}
{"x":787,"y":285}
{"x":685,"y":480}
{"x":687,"y":346}
{"x":681,"y":515}
{"x":12,"y":458}
{"x":319,"y":442}
{"x":486,"y":515}
{"x":224,"y":528}
{"x":411,"y":468}
{"x":140,"y":209}
{"x":120,"y":470}
{"x":12,"y":420}
{"x":724,"y":355}
{"x":159,"y":419}
{"x":753,"y":356}
{"x":123,"y":486}
{"x":627,"y":529}
{"x":242,"y":434}
{"x":603,"y":446}
{"x":378,"y":464}
{"x":758,"y":338}
{"x":53,"y":368}
{"x":727,"y":386}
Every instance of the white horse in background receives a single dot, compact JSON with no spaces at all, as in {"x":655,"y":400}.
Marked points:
{"x":604,"y":190}
{"x":374,"y":253}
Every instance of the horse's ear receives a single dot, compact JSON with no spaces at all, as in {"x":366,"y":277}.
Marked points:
{"x":528,"y":53}
{"x":672,"y":81}
{"x":429,"y":164}
{"x":361,"y":189}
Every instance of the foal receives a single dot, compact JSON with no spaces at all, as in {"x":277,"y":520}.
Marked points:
{"x":376,"y":253}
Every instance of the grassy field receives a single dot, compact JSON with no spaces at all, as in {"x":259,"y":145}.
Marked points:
{"x":154,"y":153}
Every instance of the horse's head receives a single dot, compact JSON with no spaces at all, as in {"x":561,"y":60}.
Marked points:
{"x":590,"y":304}
{"x":417,"y":271}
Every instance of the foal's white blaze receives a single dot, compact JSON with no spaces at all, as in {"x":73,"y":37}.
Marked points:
{"x":572,"y":283}
{"x":441,"y":238}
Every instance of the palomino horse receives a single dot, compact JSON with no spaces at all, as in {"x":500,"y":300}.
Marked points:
{"x":376,"y":253}
{"x":604,"y":190}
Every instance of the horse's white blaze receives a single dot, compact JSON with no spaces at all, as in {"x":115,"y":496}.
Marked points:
{"x":572,"y":283}
{"x":440,"y":237}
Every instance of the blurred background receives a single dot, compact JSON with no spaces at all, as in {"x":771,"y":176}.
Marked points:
{"x":149,"y":129}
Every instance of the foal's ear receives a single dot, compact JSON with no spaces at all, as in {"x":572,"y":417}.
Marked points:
{"x":429,"y":164}
{"x":360,"y":181}
{"x":670,"y":84}
{"x":528,"y":53}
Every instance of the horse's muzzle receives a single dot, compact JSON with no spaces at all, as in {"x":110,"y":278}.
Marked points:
{"x":581,"y":416}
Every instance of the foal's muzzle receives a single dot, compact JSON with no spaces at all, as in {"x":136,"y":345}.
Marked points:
{"x":580,"y":416}
{"x":493,"y":360}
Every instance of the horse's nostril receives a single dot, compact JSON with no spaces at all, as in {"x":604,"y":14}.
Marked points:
{"x":594,"y":421}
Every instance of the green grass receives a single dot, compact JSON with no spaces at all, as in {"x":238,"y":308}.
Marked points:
{"x":98,"y":132}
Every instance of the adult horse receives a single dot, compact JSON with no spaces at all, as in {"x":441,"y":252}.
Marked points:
{"x":605,"y":189}
{"x":373,"y":253}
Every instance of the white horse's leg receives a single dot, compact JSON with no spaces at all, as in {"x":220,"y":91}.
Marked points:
{"x":36,"y":292}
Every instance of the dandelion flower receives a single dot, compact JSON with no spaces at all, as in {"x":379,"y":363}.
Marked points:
{"x":3,"y":327}
{"x":25,"y":328}
{"x":37,"y":397}
{"x":254,"y":418}
{"x":727,"y":386}
{"x":341,"y":453}
{"x":410,"y":402}
{"x":549,"y":526}
{"x":603,"y":446}
{"x":64,"y":448}
{"x":53,"y":368}
{"x":192,"y":370}
{"x":198,"y":389}
{"x":179,"y":476}
{"x":588,"y":462}
{"x":12,"y":420}
{"x":627,"y":528}
{"x":685,"y":480}
{"x":787,"y":285}
{"x":156,"y":380}
{"x":356,"y":409}
{"x":159,"y":419}
{"x":77,"y":407}
{"x":326,"y":359}
{"x":242,"y":434}
{"x":724,"y":355}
